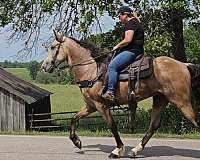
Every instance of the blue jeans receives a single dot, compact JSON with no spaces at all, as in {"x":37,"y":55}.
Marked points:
{"x":120,"y":62}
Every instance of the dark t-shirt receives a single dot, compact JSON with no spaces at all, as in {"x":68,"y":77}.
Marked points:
{"x":137,"y":43}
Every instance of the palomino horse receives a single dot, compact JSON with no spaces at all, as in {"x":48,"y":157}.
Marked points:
{"x":170,"y":82}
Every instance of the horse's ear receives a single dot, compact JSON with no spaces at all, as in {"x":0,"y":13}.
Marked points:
{"x":58,"y":37}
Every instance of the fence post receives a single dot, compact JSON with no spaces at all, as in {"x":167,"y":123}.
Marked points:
{"x":32,"y":119}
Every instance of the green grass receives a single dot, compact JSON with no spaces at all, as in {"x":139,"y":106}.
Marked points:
{"x":64,"y":97}
{"x":146,"y":104}
{"x":22,"y":73}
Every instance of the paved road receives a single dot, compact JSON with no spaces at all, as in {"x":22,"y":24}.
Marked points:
{"x":60,"y":148}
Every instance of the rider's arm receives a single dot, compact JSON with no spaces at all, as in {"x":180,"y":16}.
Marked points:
{"x":127,"y":39}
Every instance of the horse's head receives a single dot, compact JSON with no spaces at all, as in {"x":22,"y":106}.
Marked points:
{"x":56,"y":54}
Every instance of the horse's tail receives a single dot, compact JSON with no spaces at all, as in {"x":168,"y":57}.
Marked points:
{"x":194,"y":70}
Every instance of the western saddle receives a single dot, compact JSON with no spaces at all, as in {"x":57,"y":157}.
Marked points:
{"x":140,"y":69}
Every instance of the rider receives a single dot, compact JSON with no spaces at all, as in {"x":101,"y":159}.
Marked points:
{"x":130,"y":47}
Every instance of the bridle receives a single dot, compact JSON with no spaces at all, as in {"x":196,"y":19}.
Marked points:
{"x":55,"y":61}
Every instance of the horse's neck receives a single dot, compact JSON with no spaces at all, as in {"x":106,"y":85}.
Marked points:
{"x":80,"y":55}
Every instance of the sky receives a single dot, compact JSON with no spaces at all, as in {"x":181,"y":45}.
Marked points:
{"x":8,"y":51}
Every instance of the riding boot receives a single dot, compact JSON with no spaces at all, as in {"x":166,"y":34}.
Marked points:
{"x":109,"y":96}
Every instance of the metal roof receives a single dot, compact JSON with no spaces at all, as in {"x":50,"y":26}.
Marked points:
{"x":29,"y":92}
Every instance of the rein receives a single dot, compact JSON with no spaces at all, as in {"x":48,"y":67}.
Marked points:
{"x":90,"y":61}
{"x":86,"y":62}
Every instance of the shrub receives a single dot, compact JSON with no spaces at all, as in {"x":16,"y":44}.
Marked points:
{"x":57,"y":77}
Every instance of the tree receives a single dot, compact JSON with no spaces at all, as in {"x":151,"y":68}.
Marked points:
{"x":108,"y":39}
{"x":166,"y":17}
{"x":27,"y":17}
{"x":192,"y":39}
{"x":33,"y":68}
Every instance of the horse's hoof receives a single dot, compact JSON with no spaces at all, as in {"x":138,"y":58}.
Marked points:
{"x":112,"y":156}
{"x":135,"y":151}
{"x":76,"y":141}
{"x":78,"y":144}
{"x":117,"y":152}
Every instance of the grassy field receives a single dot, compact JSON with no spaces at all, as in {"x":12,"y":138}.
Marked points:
{"x":22,"y":73}
{"x":64,"y":97}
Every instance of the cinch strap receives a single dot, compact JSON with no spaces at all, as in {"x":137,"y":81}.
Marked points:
{"x":85,"y":84}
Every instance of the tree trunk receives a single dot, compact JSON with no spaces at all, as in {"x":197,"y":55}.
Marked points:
{"x":178,"y":49}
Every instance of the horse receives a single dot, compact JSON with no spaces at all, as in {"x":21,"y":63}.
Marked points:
{"x":171,"y":82}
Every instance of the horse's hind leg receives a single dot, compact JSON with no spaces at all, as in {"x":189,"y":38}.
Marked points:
{"x":85,"y":111}
{"x":159,"y":104}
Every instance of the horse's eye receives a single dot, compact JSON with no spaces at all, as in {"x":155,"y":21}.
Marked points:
{"x":52,"y":47}
{"x":52,"y":62}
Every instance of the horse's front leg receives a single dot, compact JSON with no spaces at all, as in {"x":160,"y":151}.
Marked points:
{"x":85,"y":111}
{"x":119,"y":151}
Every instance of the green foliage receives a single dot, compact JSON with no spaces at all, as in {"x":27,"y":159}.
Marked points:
{"x":67,"y":77}
{"x":142,"y":119}
{"x":192,"y":39}
{"x":15,"y":64}
{"x":48,"y":6}
{"x":158,"y":45}
{"x":43,"y":78}
{"x":27,"y":17}
{"x":108,"y":39}
{"x":73,"y":15}
{"x":33,"y":68}
{"x":174,"y":122}
{"x":165,"y":17}
{"x":57,"y":77}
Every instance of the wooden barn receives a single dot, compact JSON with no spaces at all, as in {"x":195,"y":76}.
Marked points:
{"x":18,"y":98}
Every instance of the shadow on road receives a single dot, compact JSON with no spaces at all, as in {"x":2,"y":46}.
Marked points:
{"x":154,"y":151}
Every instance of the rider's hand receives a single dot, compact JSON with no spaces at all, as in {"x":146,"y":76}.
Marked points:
{"x":115,"y":48}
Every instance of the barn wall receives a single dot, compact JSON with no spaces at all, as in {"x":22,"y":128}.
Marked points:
{"x":41,"y":106}
{"x":12,"y":112}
